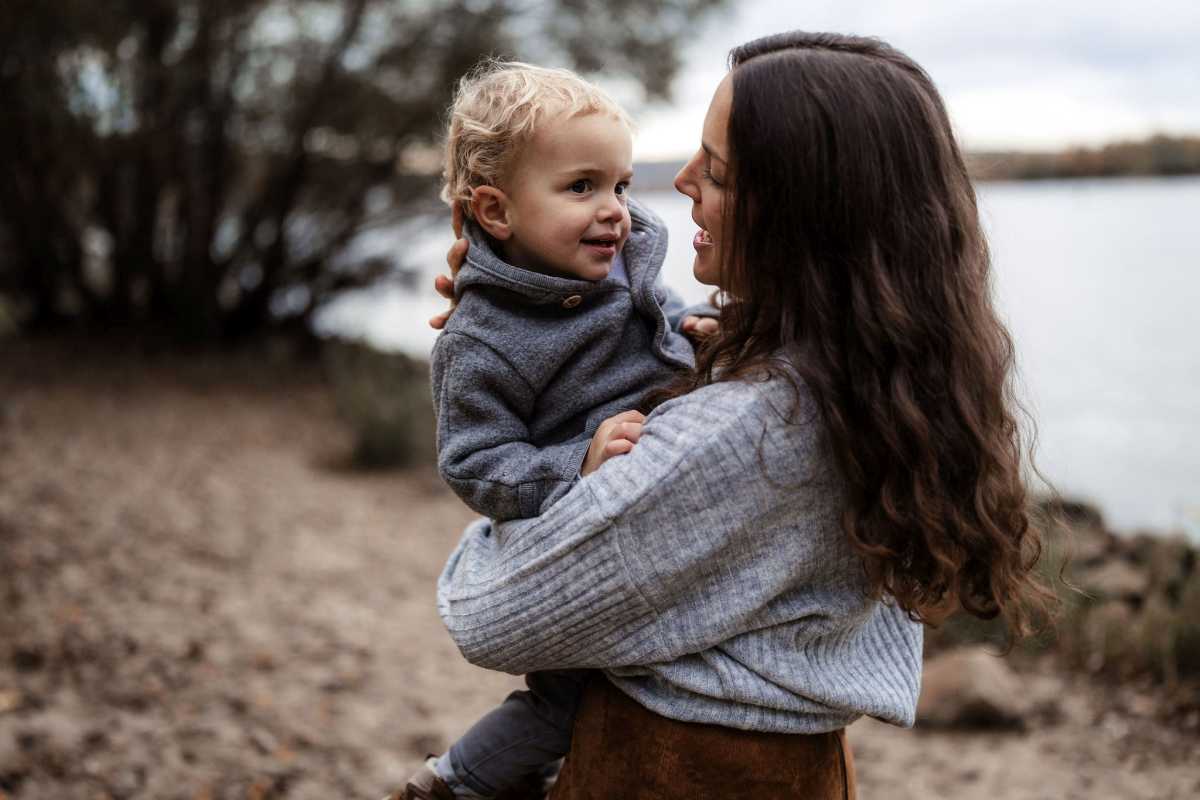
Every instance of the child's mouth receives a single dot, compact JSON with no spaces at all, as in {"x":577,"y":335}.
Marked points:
{"x":603,"y":245}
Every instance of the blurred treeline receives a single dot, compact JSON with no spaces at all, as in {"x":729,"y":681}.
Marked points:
{"x":1156,"y":156}
{"x":196,"y":168}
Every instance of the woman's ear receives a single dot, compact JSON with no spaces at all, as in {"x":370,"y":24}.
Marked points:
{"x":489,"y":207}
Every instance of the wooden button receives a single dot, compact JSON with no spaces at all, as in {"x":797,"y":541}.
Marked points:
{"x":572,"y":301}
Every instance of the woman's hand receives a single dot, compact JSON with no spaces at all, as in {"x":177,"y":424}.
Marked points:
{"x":616,"y":436}
{"x":454,"y":259}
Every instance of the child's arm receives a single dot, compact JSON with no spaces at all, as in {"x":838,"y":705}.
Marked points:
{"x":484,"y":450}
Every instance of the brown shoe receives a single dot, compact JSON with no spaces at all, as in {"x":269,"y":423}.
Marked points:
{"x":424,"y":785}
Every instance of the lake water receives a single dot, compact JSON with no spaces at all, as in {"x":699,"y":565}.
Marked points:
{"x":1099,"y":282}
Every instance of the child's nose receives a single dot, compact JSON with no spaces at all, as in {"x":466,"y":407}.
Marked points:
{"x":610,"y":208}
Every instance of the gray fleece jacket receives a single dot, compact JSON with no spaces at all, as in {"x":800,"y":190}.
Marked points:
{"x":530,"y":364}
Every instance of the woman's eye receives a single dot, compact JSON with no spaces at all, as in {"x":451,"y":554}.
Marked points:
{"x":580,"y":186}
{"x":708,"y":176}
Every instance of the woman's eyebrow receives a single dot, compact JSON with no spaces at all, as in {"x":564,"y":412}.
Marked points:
{"x":712,"y":153}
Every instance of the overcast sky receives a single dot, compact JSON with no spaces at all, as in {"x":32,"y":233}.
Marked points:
{"x":1016,"y":74}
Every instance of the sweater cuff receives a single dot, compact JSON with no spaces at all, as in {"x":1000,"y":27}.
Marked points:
{"x":700,"y":310}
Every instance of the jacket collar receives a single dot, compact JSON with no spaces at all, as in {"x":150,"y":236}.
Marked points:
{"x":484,"y":268}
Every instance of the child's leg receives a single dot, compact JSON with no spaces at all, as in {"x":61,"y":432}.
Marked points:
{"x":529,"y":730}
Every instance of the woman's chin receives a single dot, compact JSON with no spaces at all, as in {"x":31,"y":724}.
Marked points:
{"x":704,"y":270}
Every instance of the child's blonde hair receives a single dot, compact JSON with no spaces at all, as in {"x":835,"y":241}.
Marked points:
{"x":496,"y":109}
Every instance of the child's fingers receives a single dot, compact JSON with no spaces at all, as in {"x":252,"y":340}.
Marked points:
{"x":625,"y":416}
{"x":618,"y":447}
{"x":438,"y":321}
{"x":627,"y":430}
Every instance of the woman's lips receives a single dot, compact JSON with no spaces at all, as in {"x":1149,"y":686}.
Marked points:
{"x":702,"y":240}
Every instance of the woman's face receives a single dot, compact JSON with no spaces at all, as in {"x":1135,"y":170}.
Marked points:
{"x":703,"y":179}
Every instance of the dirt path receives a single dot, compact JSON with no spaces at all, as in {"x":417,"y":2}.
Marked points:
{"x":199,"y":601}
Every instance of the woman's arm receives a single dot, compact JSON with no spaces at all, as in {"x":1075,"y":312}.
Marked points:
{"x":685,"y":542}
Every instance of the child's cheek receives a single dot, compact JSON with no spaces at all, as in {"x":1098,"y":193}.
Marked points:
{"x":568,"y":233}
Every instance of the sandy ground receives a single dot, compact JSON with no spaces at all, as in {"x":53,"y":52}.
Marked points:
{"x":199,"y":599}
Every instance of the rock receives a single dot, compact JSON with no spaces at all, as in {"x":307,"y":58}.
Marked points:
{"x":1169,"y":565}
{"x":969,"y":687}
{"x":1076,"y":513}
{"x":1116,"y":579}
{"x":1088,"y":545}
{"x":1104,"y":639}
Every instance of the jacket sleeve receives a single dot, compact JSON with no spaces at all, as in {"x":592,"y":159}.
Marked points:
{"x":669,"y":550}
{"x":484,"y":452}
{"x":677,"y":309}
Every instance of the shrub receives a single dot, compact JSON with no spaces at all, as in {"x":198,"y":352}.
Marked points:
{"x":386,"y":399}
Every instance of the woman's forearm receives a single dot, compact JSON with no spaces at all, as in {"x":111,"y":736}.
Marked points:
{"x":547,"y":593}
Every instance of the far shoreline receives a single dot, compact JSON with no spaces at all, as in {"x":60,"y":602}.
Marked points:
{"x":1158,"y":156}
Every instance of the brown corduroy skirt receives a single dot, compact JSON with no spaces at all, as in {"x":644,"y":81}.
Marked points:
{"x":621,"y":751}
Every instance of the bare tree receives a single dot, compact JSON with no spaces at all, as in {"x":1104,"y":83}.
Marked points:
{"x":174,"y":166}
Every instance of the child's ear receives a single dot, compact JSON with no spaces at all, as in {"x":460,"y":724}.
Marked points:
{"x":489,"y":207}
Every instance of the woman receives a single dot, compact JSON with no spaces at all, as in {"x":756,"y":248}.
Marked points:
{"x":843,"y":466}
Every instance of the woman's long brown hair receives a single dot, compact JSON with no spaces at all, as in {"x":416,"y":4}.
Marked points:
{"x":855,"y":264}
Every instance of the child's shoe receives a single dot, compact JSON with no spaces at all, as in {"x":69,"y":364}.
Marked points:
{"x":424,"y":785}
{"x":427,"y":785}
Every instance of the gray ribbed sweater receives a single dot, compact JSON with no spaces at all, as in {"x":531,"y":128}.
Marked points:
{"x":706,"y":572}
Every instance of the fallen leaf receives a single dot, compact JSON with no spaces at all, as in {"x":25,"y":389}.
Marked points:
{"x":10,"y":700}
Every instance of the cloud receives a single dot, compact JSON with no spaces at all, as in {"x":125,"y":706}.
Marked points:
{"x":1015,"y":73}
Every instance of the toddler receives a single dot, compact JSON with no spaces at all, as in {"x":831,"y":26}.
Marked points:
{"x":561,"y":323}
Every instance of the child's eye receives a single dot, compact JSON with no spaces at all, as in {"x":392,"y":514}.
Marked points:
{"x":580,"y":186}
{"x":622,"y":188}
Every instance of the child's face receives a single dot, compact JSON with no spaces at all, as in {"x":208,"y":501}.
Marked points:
{"x":566,"y":197}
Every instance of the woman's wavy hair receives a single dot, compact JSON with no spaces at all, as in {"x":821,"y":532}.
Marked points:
{"x":855,"y":263}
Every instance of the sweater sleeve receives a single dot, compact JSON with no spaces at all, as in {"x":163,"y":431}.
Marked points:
{"x":677,"y":309}
{"x":656,"y":555}
{"x":484,"y":452}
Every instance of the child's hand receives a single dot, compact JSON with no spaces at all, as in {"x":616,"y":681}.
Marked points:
{"x":454,"y":259}
{"x":699,"y":328}
{"x":616,"y":436}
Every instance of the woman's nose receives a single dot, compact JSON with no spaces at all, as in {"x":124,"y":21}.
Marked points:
{"x":684,"y":181}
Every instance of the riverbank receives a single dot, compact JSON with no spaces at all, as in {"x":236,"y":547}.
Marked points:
{"x":1155,"y":156}
{"x":203,"y":600}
